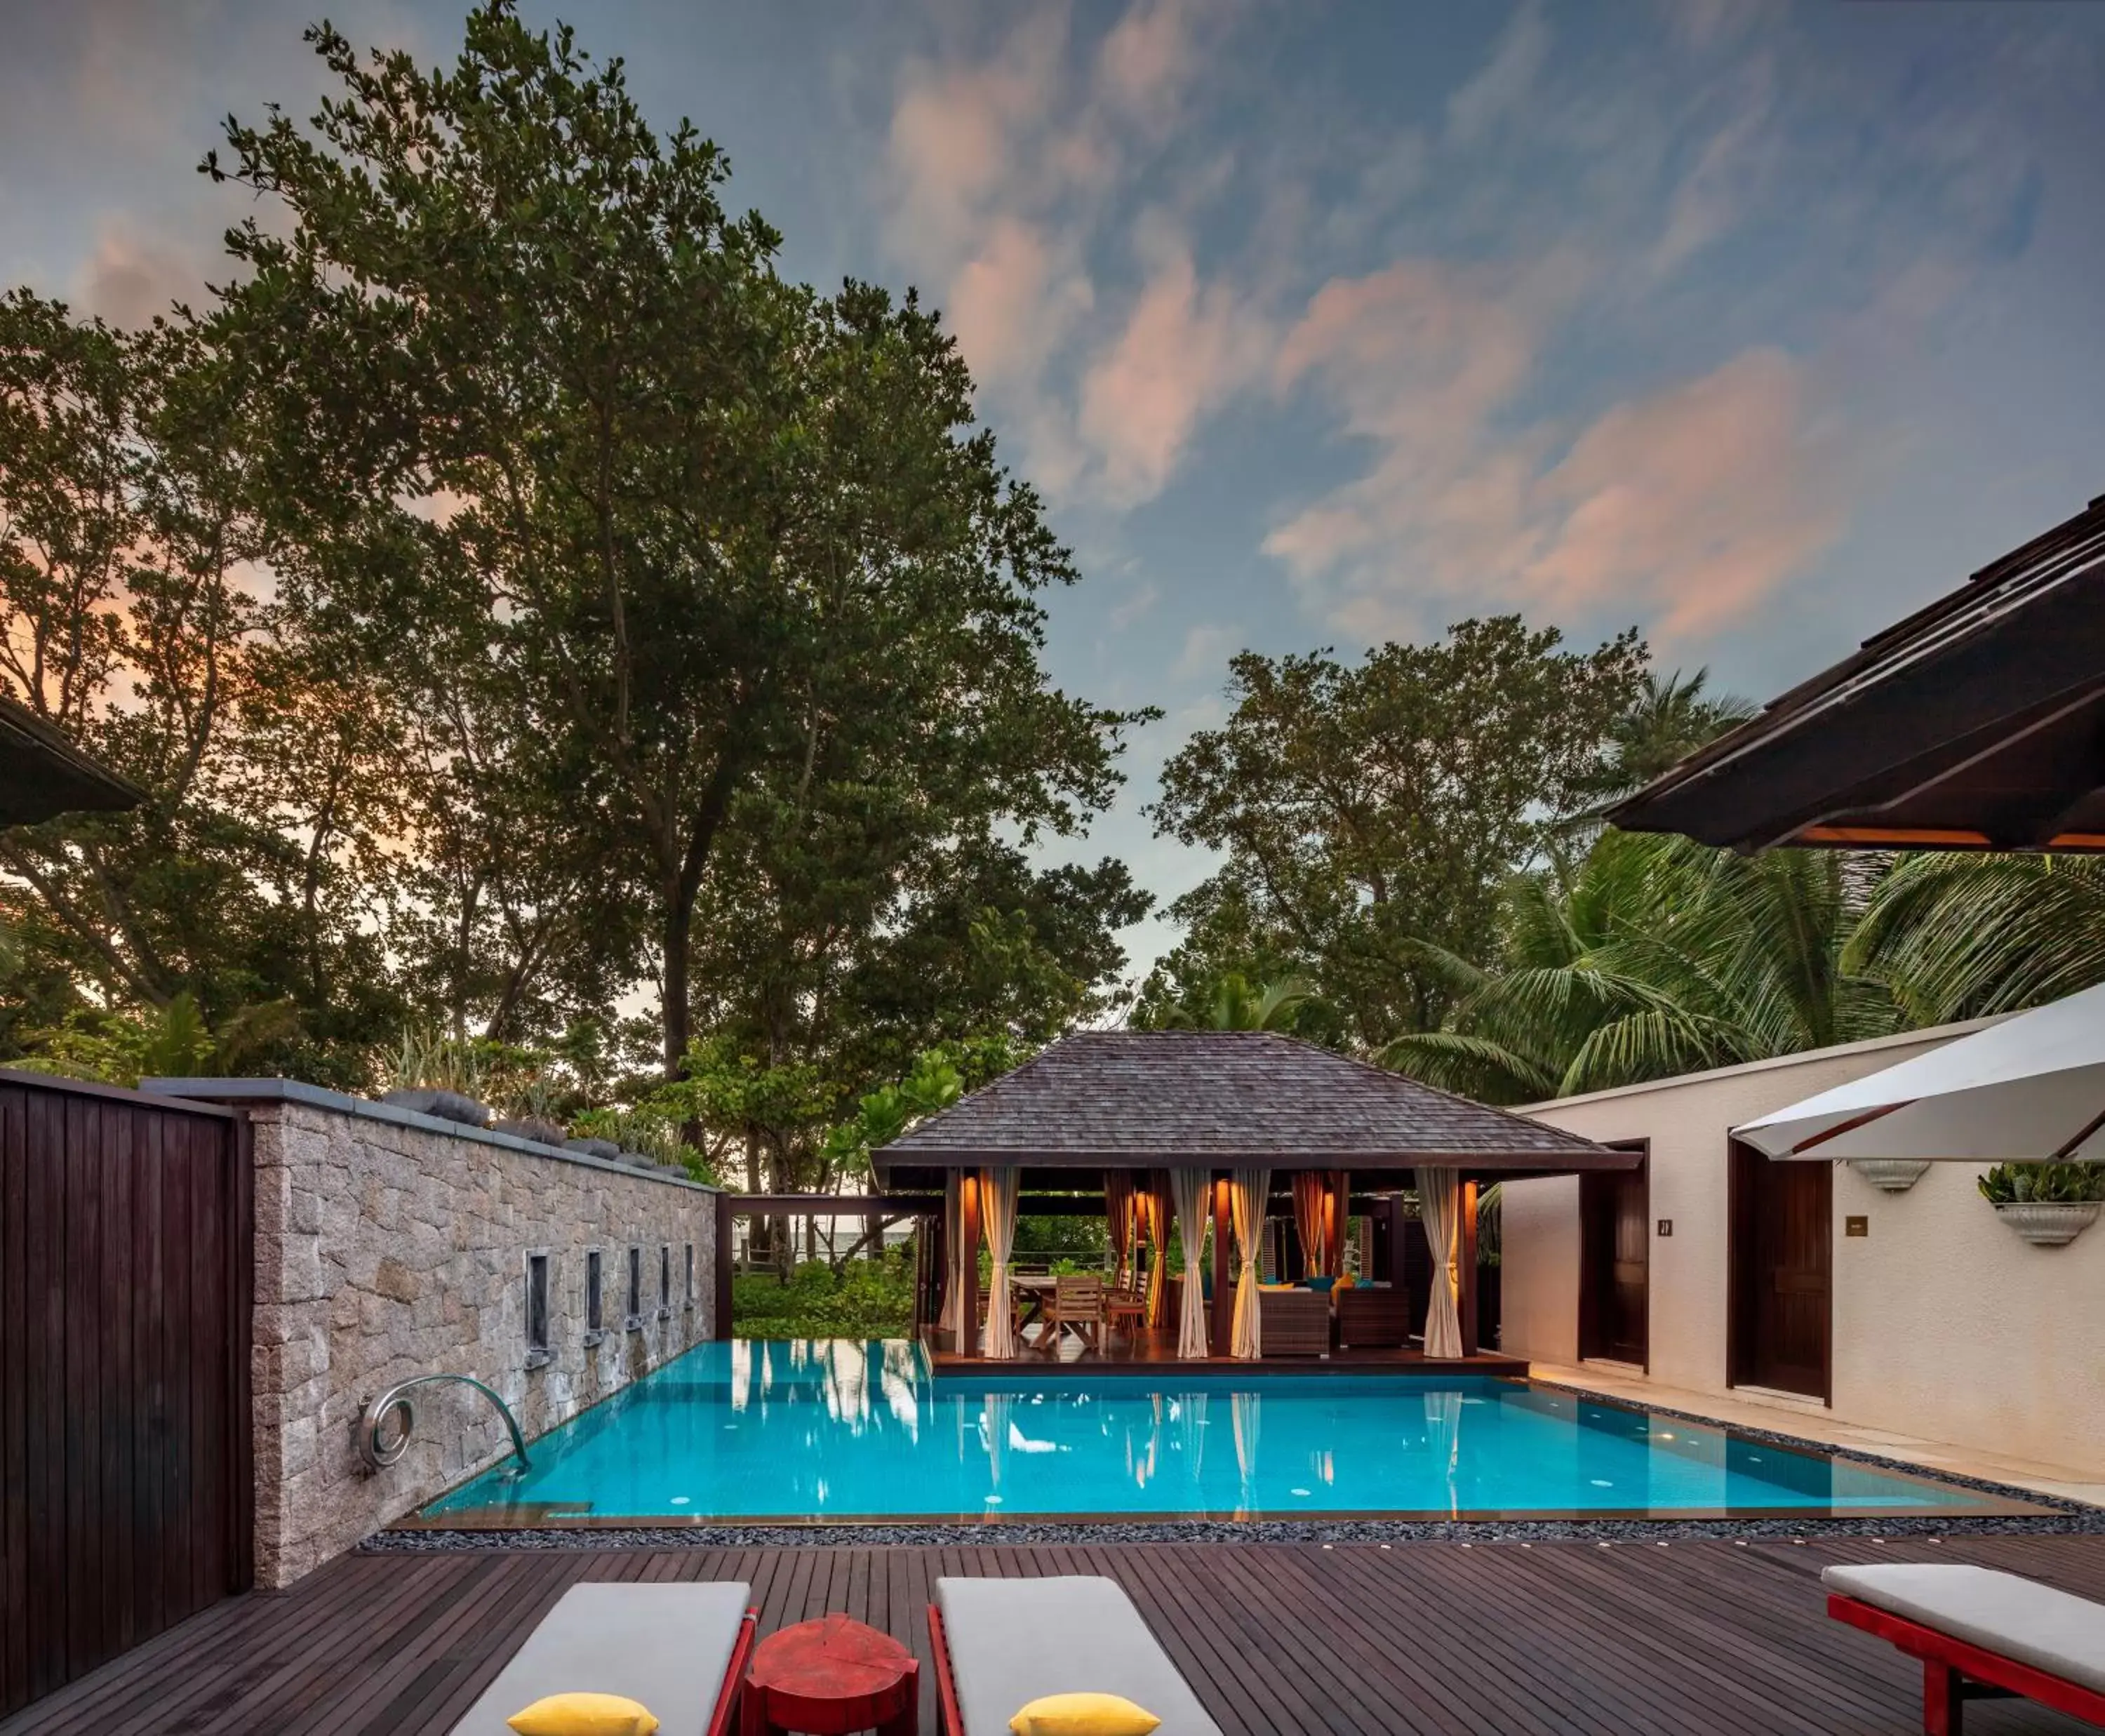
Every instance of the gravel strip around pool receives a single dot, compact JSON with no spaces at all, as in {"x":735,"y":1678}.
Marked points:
{"x":2063,"y":1517}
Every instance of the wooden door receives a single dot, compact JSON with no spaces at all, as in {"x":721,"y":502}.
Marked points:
{"x":1781,"y":1258}
{"x":1615,"y":1265}
{"x":125,"y":1275}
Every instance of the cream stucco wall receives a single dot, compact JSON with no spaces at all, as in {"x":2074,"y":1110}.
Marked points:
{"x":1946,"y":1326}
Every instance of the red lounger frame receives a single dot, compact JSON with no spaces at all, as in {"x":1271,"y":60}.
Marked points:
{"x":1953,"y":1672}
{"x":722,"y":1720}
{"x":947,"y":1686}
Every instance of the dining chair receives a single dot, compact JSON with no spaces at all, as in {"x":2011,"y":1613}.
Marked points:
{"x":1077,"y":1301}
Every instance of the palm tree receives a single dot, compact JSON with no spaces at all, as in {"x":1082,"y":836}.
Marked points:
{"x":1238,"y":1004}
{"x":1957,"y":935}
{"x":1658,"y":957}
{"x":1670,"y":717}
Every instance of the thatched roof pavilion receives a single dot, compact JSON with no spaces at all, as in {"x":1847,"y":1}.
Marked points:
{"x":1214,"y":1116}
{"x":1160,"y":1099}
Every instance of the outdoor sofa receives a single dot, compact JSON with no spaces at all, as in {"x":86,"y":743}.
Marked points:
{"x":1000,"y":1644}
{"x":1293,"y":1322}
{"x":1980,"y":1633}
{"x":1373,"y":1316}
{"x":680,"y":1650}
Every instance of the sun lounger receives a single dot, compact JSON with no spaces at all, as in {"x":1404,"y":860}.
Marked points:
{"x":679,"y":1649}
{"x":1980,"y":1633}
{"x":1000,"y":1644}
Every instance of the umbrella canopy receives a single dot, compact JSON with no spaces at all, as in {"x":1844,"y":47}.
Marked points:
{"x":2031,"y":1089}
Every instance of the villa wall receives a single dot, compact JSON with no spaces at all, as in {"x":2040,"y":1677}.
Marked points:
{"x":1946,"y":1326}
{"x":390,"y":1245}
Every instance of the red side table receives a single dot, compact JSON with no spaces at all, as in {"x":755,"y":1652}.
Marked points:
{"x":830,"y":1677}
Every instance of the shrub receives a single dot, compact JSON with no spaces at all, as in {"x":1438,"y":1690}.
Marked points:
{"x":2044,"y":1183}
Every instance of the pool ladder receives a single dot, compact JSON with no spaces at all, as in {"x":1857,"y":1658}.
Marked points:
{"x":380,"y":1448}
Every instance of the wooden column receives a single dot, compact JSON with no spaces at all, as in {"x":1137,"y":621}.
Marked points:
{"x":1224,"y":1285}
{"x":726,"y":1240}
{"x":968,"y":1238}
{"x":1388,"y":1268}
{"x":1468,"y":1253}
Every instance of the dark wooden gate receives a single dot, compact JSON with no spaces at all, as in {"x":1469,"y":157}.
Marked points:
{"x":125,"y":1286}
{"x":1615,"y":1265}
{"x":1781,"y":1258}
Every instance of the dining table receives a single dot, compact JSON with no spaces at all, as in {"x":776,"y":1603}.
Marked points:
{"x":1033,"y":1290}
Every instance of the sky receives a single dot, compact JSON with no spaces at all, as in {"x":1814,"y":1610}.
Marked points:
{"x":1752,"y":324}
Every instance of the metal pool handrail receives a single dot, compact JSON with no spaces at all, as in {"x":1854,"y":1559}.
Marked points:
{"x":379,"y":1450}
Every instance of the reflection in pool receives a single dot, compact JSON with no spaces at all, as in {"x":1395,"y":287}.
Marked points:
{"x":842,"y":1428}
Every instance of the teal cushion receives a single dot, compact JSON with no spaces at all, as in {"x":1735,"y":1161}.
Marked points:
{"x":1317,"y":1284}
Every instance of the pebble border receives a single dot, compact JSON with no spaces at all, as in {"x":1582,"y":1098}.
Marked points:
{"x":2063,"y":1517}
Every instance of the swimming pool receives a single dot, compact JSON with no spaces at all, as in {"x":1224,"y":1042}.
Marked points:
{"x":843,"y":1430}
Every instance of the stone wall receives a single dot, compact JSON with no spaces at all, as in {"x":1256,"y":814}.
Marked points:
{"x":390,"y":1245}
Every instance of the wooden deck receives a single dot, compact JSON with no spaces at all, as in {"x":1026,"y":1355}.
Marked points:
{"x":1147,"y":1350}
{"x":1496,"y":1639}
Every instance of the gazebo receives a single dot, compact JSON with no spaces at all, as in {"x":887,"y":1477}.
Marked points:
{"x":1196,"y":1127}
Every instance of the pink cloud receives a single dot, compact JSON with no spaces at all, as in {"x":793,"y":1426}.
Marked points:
{"x":1147,"y":57}
{"x":1013,"y":301}
{"x":1001,"y":172}
{"x":1686,"y":507}
{"x":1183,"y":350}
{"x":132,"y":277}
{"x":1699,"y":502}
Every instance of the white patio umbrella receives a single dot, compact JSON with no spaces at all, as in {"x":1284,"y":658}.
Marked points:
{"x":2031,"y":1089}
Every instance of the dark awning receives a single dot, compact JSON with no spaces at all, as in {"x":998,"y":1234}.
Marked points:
{"x":1221,"y":1099}
{"x":1977,"y":724}
{"x":43,"y":773}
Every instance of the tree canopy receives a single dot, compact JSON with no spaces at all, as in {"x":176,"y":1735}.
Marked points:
{"x":518,"y":596}
{"x":1363,"y":809}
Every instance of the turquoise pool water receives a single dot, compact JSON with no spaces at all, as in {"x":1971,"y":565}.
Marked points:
{"x":842,"y":1430}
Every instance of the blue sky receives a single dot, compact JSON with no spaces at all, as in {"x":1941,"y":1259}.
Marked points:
{"x":1753,"y":324}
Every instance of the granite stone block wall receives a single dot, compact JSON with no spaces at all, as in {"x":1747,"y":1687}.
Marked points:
{"x":389,"y":1245}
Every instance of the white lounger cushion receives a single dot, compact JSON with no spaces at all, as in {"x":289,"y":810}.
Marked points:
{"x":666,"y":1646}
{"x":2017,"y":1618}
{"x":1014,"y":1640}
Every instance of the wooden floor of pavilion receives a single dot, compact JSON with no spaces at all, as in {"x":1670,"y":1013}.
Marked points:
{"x":1148,"y":1349}
{"x":1499,"y":1640}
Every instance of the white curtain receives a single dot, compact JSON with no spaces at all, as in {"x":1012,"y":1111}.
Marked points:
{"x":1439,"y":1206}
{"x":1243,"y":1417}
{"x":998,"y":1206}
{"x":954,"y":1258}
{"x":1188,"y":1188}
{"x":1247,"y":1190}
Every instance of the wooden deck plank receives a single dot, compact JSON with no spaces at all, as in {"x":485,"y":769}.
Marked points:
{"x":1286,"y":1638}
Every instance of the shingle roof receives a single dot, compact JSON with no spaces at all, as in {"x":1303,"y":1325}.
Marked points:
{"x":1150,"y":1098}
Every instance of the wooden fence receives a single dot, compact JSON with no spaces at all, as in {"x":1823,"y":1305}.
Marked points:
{"x":127,"y":1491}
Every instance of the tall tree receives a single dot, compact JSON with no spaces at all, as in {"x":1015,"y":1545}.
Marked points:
{"x":1364,"y":808}
{"x":538,"y":408}
{"x":132,"y":620}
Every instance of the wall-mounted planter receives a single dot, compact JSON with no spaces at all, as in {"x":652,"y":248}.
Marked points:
{"x":2048,"y":1223}
{"x":1893,"y":1174}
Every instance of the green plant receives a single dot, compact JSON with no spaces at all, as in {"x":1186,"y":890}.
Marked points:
{"x":2044,"y":1183}
{"x":170,"y":1042}
{"x":648,"y":1132}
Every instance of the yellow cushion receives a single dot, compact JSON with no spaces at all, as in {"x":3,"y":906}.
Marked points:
{"x":1083,"y":1715}
{"x":583,"y":1715}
